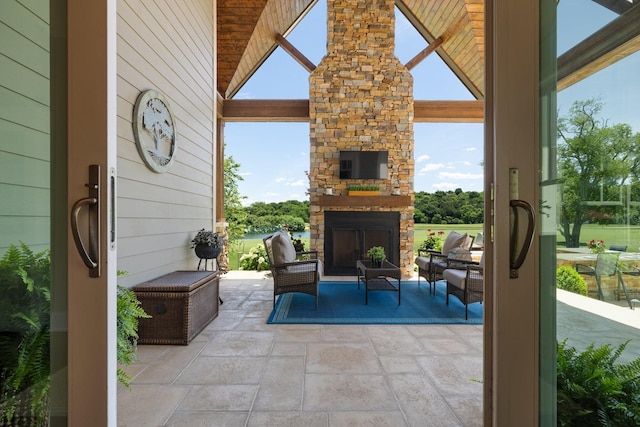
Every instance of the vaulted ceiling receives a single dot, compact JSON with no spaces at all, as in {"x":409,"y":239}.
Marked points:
{"x":247,"y":35}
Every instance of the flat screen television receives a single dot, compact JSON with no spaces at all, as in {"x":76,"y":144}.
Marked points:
{"x":363,"y":164}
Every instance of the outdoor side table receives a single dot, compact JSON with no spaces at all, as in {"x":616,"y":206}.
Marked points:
{"x":377,"y":278}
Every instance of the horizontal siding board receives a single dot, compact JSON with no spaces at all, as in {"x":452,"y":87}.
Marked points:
{"x":33,"y":230}
{"x":24,"y":81}
{"x":134,"y":208}
{"x":23,"y":141}
{"x":149,"y":78}
{"x":167,"y":46}
{"x":38,"y":7}
{"x":128,"y":189}
{"x":142,"y":270}
{"x":24,"y":51}
{"x":24,"y":171}
{"x":131,"y":227}
{"x":162,"y":53}
{"x":26,"y":23}
{"x":163,"y":181}
{"x":24,"y":111}
{"x":21,"y":201}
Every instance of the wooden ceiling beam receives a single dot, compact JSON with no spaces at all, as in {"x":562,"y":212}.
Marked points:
{"x":613,"y":42}
{"x":423,"y":55}
{"x":297,"y":110}
{"x":266,"y":110}
{"x":448,"y":111}
{"x":295,"y":53}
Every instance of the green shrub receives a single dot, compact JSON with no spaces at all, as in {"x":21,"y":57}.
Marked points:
{"x":256,"y":259}
{"x":594,"y":390}
{"x":128,"y":312}
{"x":569,"y":279}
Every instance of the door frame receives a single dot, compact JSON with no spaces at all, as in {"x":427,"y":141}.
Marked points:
{"x":511,"y":376}
{"x":91,"y":124}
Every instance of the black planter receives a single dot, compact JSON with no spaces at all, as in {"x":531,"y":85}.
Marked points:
{"x":207,"y":252}
{"x":376,"y":263}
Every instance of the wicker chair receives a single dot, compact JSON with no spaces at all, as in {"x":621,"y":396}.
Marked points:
{"x":606,"y":265}
{"x":431,"y":263}
{"x":465,"y":280}
{"x":290,"y":274}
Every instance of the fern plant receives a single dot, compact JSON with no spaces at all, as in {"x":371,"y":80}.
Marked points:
{"x":595,"y":390}
{"x":129,"y":310}
{"x":25,"y":282}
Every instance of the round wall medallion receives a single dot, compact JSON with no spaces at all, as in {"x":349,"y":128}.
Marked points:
{"x":154,"y":130}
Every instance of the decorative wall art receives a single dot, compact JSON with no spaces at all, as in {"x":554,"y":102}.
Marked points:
{"x":154,"y":130}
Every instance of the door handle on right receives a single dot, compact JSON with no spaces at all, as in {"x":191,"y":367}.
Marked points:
{"x":90,"y":253}
{"x":517,"y":259}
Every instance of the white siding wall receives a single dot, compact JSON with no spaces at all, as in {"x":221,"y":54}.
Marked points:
{"x":24,"y":124}
{"x":165,"y":45}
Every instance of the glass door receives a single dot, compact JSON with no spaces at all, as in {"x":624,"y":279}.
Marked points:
{"x":563,"y":135}
{"x":57,"y":320}
{"x":590,"y":152}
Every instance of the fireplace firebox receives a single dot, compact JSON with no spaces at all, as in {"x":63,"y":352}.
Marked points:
{"x":348,"y":236}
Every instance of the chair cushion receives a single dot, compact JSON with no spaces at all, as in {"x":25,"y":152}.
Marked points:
{"x":455,"y":277}
{"x":453,"y":240}
{"x":282,"y":248}
{"x":423,"y":262}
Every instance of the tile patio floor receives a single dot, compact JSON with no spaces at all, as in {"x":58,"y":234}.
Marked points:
{"x":242,"y":372}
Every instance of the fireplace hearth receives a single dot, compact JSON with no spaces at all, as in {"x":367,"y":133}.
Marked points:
{"x":348,"y":236}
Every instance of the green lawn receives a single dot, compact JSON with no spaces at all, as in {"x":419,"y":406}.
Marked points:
{"x":611,"y":234}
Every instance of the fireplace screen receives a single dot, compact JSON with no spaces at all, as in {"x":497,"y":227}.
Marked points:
{"x":348,"y":236}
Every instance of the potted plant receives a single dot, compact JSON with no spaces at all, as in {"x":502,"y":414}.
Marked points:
{"x":207,"y":244}
{"x":377,"y":255}
{"x":363,"y":190}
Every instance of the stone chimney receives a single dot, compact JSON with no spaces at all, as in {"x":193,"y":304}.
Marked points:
{"x":361,"y":98}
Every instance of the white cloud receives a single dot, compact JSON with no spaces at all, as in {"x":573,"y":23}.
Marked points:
{"x":444,"y":186}
{"x":245,"y":173}
{"x":299,"y":183}
{"x":422,"y":158}
{"x":429,"y":167}
{"x":459,"y":175}
{"x":280,"y":180}
{"x":470,"y":149}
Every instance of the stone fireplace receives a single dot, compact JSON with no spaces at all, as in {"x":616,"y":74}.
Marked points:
{"x":361,"y":99}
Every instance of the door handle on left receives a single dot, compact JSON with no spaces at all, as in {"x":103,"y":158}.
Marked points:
{"x":90,"y":254}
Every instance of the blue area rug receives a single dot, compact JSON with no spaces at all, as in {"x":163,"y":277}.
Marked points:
{"x":342,"y":303}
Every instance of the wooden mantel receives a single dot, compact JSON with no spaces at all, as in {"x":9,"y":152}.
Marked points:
{"x":377,"y":201}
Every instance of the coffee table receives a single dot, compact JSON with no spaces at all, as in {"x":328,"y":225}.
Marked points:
{"x":377,"y":278}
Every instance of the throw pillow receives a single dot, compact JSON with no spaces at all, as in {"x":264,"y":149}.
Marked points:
{"x":453,"y":240}
{"x":282,"y":248}
{"x":461,"y":254}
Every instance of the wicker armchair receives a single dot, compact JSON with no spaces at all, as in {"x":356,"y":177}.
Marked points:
{"x":431,"y":263}
{"x":290,"y":274}
{"x":465,"y":280}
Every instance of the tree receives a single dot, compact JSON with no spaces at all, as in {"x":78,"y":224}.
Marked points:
{"x":234,"y":212}
{"x":594,"y":161}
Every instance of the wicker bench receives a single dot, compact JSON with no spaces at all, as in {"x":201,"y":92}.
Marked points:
{"x":182,"y":304}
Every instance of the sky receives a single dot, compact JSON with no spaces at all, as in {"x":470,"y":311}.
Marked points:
{"x":273,"y":157}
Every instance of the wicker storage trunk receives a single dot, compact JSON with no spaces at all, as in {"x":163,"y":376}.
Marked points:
{"x":182,"y":303}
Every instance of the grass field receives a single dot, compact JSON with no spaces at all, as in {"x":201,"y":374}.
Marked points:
{"x":611,"y":234}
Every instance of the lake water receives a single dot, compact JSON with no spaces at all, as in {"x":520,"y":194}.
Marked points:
{"x":297,"y":234}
